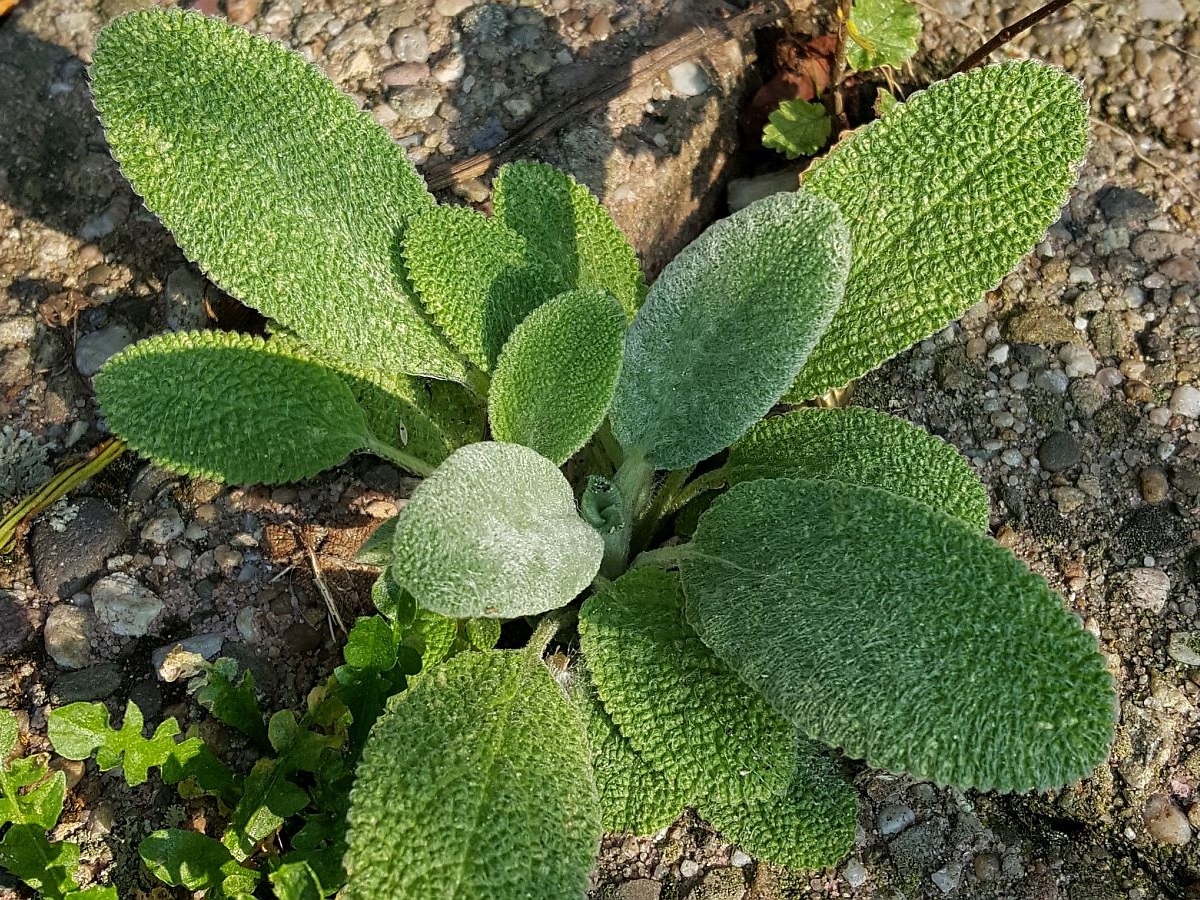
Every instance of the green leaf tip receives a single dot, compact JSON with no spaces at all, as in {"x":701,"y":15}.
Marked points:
{"x":494,"y":532}
{"x":797,"y":128}
{"x":899,"y":634}
{"x":727,"y":326}
{"x":230,"y":408}
{"x":881,"y":33}
{"x":555,"y":378}
{"x":861,"y":446}
{"x":999,"y":145}
{"x":288,"y":197}
{"x":475,"y":783}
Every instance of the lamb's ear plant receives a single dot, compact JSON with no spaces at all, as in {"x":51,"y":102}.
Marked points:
{"x":840,"y":592}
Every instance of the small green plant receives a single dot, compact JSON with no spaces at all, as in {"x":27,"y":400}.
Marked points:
{"x":750,"y":594}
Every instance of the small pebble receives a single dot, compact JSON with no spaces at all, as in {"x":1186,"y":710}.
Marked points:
{"x":855,"y":873}
{"x":1185,"y":401}
{"x":93,"y":350}
{"x":1166,"y":822}
{"x":689,"y":868}
{"x":1052,"y":381}
{"x":1148,"y":588}
{"x":688,"y":79}
{"x":999,"y":354}
{"x":124,"y":605}
{"x":740,"y":859}
{"x":164,"y":528}
{"x":1012,"y":457}
{"x":1059,"y":451}
{"x":1077,"y":360}
{"x":68,"y":635}
{"x":894,"y":818}
{"x":1153,"y":484}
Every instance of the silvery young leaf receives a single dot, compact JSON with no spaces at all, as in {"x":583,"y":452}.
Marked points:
{"x":272,"y":181}
{"x":726,"y":327}
{"x":231,"y":408}
{"x":494,"y":532}
{"x":555,"y":377}
{"x":943,"y":197}
{"x":797,"y":128}
{"x":899,"y":634}
{"x":861,"y":446}
{"x":575,"y":243}
{"x":475,"y":783}
{"x":882,"y":33}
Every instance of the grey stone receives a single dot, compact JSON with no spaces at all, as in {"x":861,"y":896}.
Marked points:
{"x":92,"y":683}
{"x":452,"y":8}
{"x":486,"y":23}
{"x":416,"y":103}
{"x":1052,"y":381}
{"x":124,"y":605}
{"x":1077,"y":361}
{"x":1031,"y":356}
{"x":184,"y":299}
{"x":855,"y":873}
{"x":1157,"y":246}
{"x":163,"y":528}
{"x":410,"y":45}
{"x":94,"y":349}
{"x":1184,"y":647}
{"x":17,"y":331}
{"x":638,"y":889}
{"x":1185,"y":401}
{"x":405,"y":75}
{"x":186,"y":658}
{"x":744,"y":191}
{"x":688,"y":79}
{"x":16,"y":624}
{"x":65,"y":561}
{"x":1161,"y":10}
{"x":1059,"y":451}
{"x":1122,"y":206}
{"x":68,"y":635}
{"x":108,"y":221}
{"x":894,"y":818}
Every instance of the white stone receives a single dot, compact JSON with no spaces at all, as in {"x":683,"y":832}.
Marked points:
{"x":855,"y":874}
{"x":124,"y":605}
{"x":68,"y":635}
{"x":688,"y":79}
{"x":1077,"y":361}
{"x":1162,"y":10}
{"x":1185,"y":401}
{"x":451,"y":8}
{"x":740,"y":859}
{"x":1080,"y":275}
{"x":1148,"y":588}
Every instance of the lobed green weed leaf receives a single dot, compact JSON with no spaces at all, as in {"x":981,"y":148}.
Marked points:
{"x":29,"y":793}
{"x":287,"y":196}
{"x":230,"y":699}
{"x":475,"y":783}
{"x":494,"y":532}
{"x":881,"y":33}
{"x":900,"y":634}
{"x":943,"y":197}
{"x":727,"y":326}
{"x":860,"y":446}
{"x":555,"y":377}
{"x":191,"y":860}
{"x":371,"y":645}
{"x":797,"y":128}
{"x":232,"y":408}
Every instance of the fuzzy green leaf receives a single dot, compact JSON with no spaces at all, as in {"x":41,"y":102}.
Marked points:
{"x":432,"y":636}
{"x":291,"y":199}
{"x":377,"y":548}
{"x":29,"y":793}
{"x":943,"y":197}
{"x":47,"y":867}
{"x":900,"y":634}
{"x":371,"y":645}
{"x":482,"y":634}
{"x":475,"y":784}
{"x":860,"y":446}
{"x":727,"y":326}
{"x":575,"y":243}
{"x":230,"y":699}
{"x":80,"y":729}
{"x":231,"y":408}
{"x":194,"y":861}
{"x":882,"y":33}
{"x":555,"y":377}
{"x":797,"y":128}
{"x":650,"y":668}
{"x":494,"y":532}
{"x":296,"y":881}
{"x":269,"y":800}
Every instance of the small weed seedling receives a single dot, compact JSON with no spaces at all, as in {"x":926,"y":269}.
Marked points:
{"x":751,"y":595}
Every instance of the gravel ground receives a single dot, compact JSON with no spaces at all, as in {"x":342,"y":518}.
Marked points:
{"x":1074,"y":388}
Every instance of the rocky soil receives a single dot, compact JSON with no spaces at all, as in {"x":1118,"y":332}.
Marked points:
{"x":1074,"y":388}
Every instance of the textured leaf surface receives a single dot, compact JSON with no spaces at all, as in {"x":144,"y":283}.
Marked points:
{"x":575,"y":242}
{"x":80,"y":729}
{"x":653,"y":673}
{"x":475,"y":784}
{"x":943,"y":196}
{"x":860,"y":446}
{"x":797,"y":128}
{"x":899,"y":634}
{"x":289,"y":198}
{"x":230,"y":408}
{"x":882,"y":33}
{"x":194,"y":861}
{"x":727,"y":326}
{"x":494,"y":532}
{"x":29,"y":793}
{"x":231,"y":699}
{"x":49,"y":868}
{"x":556,"y":375}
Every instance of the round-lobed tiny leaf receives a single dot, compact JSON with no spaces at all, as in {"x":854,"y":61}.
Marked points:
{"x":230,"y":407}
{"x":882,"y":33}
{"x":727,"y":326}
{"x":574,"y":242}
{"x":861,"y":446}
{"x":898,"y":633}
{"x":555,"y":377}
{"x":475,"y":783}
{"x":272,"y":180}
{"x":494,"y":533}
{"x":797,"y":128}
{"x":943,"y":196}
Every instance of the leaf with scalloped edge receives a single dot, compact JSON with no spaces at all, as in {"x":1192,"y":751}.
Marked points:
{"x":881,"y":33}
{"x":861,"y":446}
{"x":555,"y":377}
{"x":900,"y":634}
{"x":943,"y":197}
{"x":494,"y":532}
{"x":797,"y":128}
{"x":475,"y":783}
{"x":272,"y":180}
{"x":29,"y":793}
{"x":231,"y":408}
{"x":727,"y":326}
{"x":574,"y":242}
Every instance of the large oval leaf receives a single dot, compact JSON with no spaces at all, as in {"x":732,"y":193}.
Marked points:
{"x":272,"y":180}
{"x":861,"y":446}
{"x":727,"y":326}
{"x":898,"y":633}
{"x":943,"y":197}
{"x":494,"y":532}
{"x":475,"y":783}
{"x":555,"y":378}
{"x":230,"y":408}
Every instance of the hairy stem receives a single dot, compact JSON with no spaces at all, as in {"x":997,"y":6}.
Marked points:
{"x":663,"y":557}
{"x":836,"y":100}
{"x":544,"y":633}
{"x":648,"y":524}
